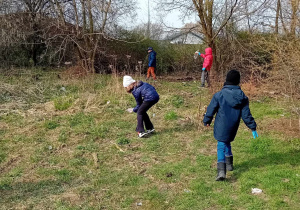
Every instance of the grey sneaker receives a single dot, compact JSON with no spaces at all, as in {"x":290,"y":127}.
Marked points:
{"x":142,"y":134}
{"x":150,"y":131}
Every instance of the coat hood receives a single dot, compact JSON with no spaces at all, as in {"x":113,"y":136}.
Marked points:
{"x":153,"y":52}
{"x":139,"y":84}
{"x":208,"y":51}
{"x":234,"y":96}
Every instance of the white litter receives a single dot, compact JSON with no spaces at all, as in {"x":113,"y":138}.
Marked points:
{"x":187,"y":191}
{"x":130,"y":110}
{"x":50,"y":147}
{"x":196,"y":55}
{"x":256,"y":191}
{"x":153,"y":115}
{"x":63,"y":89}
{"x":139,"y":204}
{"x":108,"y":102}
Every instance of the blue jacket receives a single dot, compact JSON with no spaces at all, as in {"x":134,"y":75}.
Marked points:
{"x":152,"y":59}
{"x":144,"y":92}
{"x":230,"y":104}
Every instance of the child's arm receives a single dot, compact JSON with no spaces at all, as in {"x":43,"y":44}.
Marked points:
{"x":139,"y":101}
{"x":211,"y":110}
{"x":247,"y":117}
{"x":202,"y":55}
{"x":151,"y":59}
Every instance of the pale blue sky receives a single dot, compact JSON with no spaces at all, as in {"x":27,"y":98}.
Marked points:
{"x":171,"y":20}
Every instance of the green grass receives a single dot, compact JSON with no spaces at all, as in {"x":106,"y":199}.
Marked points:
{"x":63,"y":103}
{"x":77,"y":149}
{"x":171,"y":115}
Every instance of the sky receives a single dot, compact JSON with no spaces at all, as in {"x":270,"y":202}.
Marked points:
{"x":171,"y":20}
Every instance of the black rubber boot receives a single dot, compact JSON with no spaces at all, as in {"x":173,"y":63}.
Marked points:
{"x":229,"y":163}
{"x":221,"y":171}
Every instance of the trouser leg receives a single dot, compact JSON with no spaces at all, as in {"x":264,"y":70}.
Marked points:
{"x":228,"y":151}
{"x":203,"y":78}
{"x":221,"y":151}
{"x":147,"y":121}
{"x":148,"y":72}
{"x":153,"y":73}
{"x":207,"y":78}
{"x":140,"y":125}
{"x":142,"y":116}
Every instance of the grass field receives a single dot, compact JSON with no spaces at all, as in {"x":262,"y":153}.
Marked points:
{"x":70,"y":144}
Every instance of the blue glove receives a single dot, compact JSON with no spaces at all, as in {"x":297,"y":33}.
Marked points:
{"x":203,"y":69}
{"x":255,"y":135}
{"x":199,"y":53}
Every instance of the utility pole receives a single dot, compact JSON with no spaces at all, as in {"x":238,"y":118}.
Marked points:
{"x":148,"y":26}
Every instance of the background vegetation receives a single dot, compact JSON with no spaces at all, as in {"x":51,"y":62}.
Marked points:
{"x":66,"y":141}
{"x":70,"y":144}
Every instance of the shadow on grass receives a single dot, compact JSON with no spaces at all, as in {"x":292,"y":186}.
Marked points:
{"x":28,"y":190}
{"x":179,"y":128}
{"x":291,"y":157}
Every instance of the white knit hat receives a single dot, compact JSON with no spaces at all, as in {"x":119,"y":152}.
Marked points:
{"x":127,"y":80}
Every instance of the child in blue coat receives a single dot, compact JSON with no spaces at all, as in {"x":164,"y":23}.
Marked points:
{"x":230,"y":104}
{"x":145,"y":96}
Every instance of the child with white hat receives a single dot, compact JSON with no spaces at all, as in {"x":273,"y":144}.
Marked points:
{"x":145,"y":96}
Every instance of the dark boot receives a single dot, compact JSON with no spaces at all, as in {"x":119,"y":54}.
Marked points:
{"x":221,"y":171}
{"x":229,"y":163}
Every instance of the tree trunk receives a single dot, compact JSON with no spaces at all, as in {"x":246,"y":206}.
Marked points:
{"x":294,"y":5}
{"x":278,"y":9}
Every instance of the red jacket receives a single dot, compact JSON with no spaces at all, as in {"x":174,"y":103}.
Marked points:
{"x":208,"y":59}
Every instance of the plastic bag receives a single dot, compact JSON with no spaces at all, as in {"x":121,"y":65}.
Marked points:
{"x":256,"y":191}
{"x":196,"y":55}
{"x":130,"y":110}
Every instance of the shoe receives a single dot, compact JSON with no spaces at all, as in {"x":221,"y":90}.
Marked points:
{"x":229,"y":163}
{"x":221,"y":171}
{"x":150,"y":131}
{"x":202,"y":86}
{"x":142,"y":134}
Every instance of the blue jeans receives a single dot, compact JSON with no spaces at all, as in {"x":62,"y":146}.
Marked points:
{"x":224,"y":149}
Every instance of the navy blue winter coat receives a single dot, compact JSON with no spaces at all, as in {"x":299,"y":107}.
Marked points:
{"x":144,"y":92}
{"x":230,"y":104}
{"x":152,"y":59}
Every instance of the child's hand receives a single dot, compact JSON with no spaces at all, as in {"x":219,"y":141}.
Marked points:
{"x":130,"y":110}
{"x":255,"y":135}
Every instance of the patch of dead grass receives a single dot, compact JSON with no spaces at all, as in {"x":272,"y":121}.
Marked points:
{"x":290,"y":127}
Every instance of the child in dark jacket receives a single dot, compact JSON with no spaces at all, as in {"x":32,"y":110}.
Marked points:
{"x":151,"y":63}
{"x":230,"y":104}
{"x":145,"y":96}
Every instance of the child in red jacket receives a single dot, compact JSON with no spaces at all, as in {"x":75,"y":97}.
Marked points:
{"x":207,"y":63}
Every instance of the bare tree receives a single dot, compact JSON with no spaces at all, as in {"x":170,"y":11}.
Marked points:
{"x":294,"y":16}
{"x":83,"y":24}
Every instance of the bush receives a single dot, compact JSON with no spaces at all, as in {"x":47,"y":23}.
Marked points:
{"x":63,"y":103}
{"x":51,"y":125}
{"x":123,"y":141}
{"x":177,"y":101}
{"x":171,"y":115}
